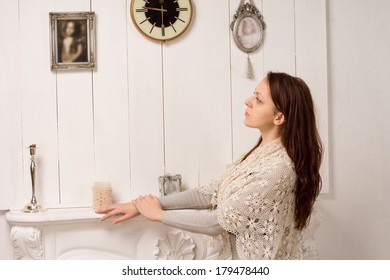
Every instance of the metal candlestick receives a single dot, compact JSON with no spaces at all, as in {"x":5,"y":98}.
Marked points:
{"x":33,"y":206}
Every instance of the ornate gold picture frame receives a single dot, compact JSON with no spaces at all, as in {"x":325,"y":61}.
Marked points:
{"x":72,"y":41}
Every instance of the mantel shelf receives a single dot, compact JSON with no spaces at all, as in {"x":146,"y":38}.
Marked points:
{"x":53,"y":216}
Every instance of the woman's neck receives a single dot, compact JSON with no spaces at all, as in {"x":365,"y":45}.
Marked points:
{"x":268,"y":137}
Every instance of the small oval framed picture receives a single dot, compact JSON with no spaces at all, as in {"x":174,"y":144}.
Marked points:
{"x":248,"y":28}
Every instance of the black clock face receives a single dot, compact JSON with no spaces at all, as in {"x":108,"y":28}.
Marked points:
{"x":161,"y":20}
{"x":164,"y":14}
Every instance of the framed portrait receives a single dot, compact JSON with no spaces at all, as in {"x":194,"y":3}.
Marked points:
{"x":72,"y":41}
{"x":170,"y":184}
{"x":248,"y":28}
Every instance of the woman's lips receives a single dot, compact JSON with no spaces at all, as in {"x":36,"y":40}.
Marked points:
{"x":246,"y":114}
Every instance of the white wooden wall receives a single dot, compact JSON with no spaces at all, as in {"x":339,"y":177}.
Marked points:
{"x":11,"y":165}
{"x":148,"y":109}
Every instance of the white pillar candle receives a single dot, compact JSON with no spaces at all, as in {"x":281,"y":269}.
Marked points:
{"x":101,"y":194}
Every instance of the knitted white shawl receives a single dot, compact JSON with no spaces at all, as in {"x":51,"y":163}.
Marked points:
{"x":255,"y":201}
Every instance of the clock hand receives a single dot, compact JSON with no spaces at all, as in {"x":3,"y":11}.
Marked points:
{"x":162,"y":21}
{"x":155,"y":9}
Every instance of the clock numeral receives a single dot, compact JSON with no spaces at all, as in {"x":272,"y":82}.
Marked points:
{"x":173,"y":27}
{"x":162,"y":30}
{"x":180,"y":19}
{"x":144,"y":20}
{"x":152,"y":28}
{"x":141,"y":10}
{"x":146,"y":1}
{"x":181,"y":9}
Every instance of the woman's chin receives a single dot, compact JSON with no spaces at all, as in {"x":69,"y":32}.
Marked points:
{"x":247,"y":123}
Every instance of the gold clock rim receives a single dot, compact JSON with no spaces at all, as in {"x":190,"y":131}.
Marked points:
{"x":155,"y":39}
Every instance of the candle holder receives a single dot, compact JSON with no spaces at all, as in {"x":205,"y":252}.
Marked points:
{"x":33,"y":206}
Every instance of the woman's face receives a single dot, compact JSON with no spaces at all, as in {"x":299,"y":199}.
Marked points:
{"x":69,"y":28}
{"x":261,"y":110}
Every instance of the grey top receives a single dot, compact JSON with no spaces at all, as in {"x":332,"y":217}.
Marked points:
{"x":205,"y":222}
{"x":191,"y":199}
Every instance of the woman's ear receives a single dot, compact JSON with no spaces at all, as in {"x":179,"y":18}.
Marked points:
{"x":279,"y":118}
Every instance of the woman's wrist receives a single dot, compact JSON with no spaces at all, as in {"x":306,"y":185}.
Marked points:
{"x":136,"y":212}
{"x":160,"y":215}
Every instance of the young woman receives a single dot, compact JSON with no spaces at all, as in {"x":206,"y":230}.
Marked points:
{"x":261,"y":204}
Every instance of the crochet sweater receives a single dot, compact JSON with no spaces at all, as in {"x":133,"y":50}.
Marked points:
{"x":253,"y":201}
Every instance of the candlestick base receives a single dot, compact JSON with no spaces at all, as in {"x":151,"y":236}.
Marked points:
{"x":33,"y":208}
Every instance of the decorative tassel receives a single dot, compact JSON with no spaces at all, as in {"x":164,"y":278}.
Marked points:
{"x":249,"y":69}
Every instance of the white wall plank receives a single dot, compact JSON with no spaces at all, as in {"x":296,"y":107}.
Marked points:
{"x":146,"y":111}
{"x":10,"y":112}
{"x":197,"y":97}
{"x":75,"y":125}
{"x":111,"y":106}
{"x":244,"y":138}
{"x":39,"y":115}
{"x":311,"y":64}
{"x":279,"y":45}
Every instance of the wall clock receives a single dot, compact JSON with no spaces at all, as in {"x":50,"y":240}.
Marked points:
{"x":161,"y":20}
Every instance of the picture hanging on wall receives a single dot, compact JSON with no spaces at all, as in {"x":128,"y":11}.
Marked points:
{"x":72,"y":37}
{"x":170,"y":184}
{"x":248,"y":30}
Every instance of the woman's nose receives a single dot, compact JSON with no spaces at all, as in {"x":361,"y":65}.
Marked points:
{"x":247,"y":102}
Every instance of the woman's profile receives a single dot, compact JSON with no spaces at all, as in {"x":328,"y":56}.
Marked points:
{"x":260,"y":205}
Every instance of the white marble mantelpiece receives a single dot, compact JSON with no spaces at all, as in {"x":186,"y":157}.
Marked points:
{"x":77,"y":233}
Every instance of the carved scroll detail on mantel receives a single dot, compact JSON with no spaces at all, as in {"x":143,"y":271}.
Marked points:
{"x":27,"y":243}
{"x":175,"y":246}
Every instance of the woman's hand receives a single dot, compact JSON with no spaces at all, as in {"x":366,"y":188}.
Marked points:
{"x":149,"y":206}
{"x":126,"y":210}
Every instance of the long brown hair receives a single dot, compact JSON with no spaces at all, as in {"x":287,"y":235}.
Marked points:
{"x":299,"y":135}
